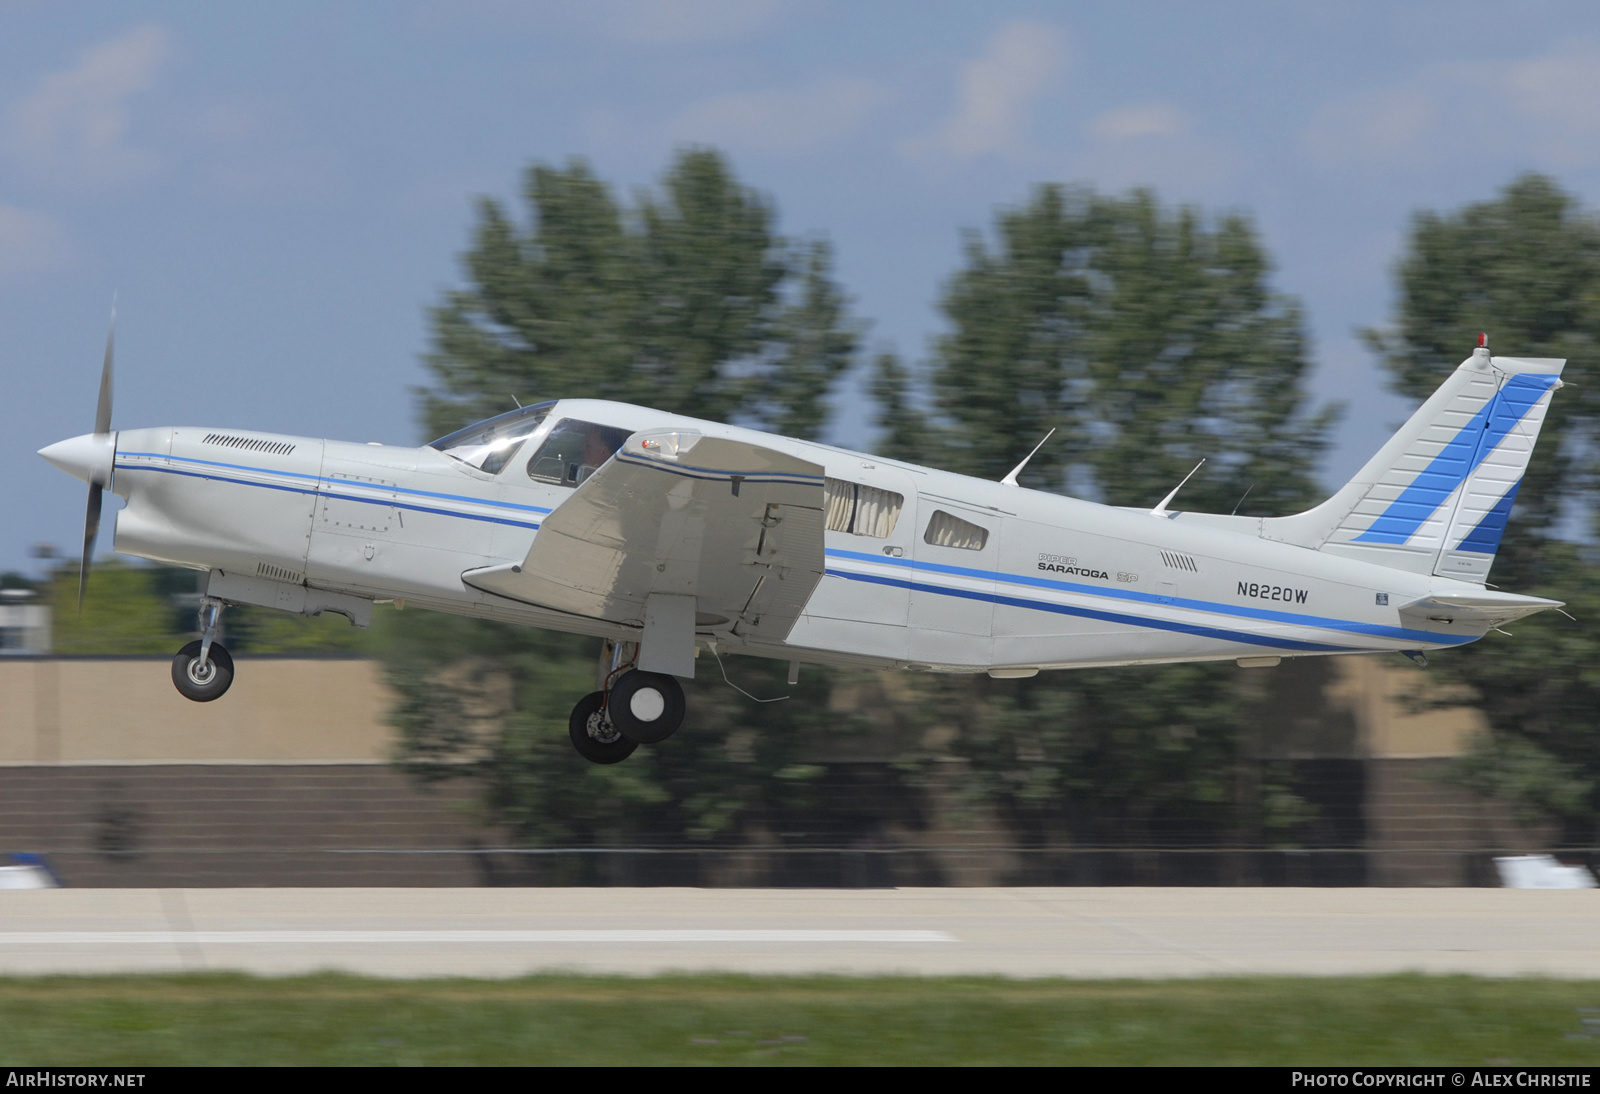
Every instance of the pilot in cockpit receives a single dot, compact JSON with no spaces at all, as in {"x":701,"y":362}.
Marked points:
{"x":596,"y":451}
{"x":574,"y":451}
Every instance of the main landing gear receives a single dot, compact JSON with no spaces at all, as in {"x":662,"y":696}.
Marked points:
{"x":632,"y":708}
{"x":203,"y":670}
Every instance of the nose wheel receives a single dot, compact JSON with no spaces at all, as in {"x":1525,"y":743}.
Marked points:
{"x":640,"y":708}
{"x":202,"y":680}
{"x":203,"y":670}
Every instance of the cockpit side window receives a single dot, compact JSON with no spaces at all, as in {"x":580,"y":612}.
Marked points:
{"x":574,"y":451}
{"x":489,"y":445}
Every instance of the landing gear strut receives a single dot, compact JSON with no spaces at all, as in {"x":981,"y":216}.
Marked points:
{"x":203,"y":669}
{"x":630,"y":709}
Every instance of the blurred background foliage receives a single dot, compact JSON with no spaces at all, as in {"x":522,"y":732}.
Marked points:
{"x":1150,"y":337}
{"x":1525,"y":267}
{"x":136,"y":609}
{"x":687,"y":302}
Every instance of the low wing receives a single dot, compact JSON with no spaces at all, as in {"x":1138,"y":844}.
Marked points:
{"x":674,"y":514}
{"x":1482,"y":609}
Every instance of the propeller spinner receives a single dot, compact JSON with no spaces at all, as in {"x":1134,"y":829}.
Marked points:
{"x":90,"y":457}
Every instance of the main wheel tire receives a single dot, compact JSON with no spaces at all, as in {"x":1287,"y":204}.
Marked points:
{"x":593,"y":735}
{"x":202,"y":683}
{"x":646,"y":706}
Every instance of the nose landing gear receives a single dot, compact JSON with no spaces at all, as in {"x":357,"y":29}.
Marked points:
{"x":203,"y":670}
{"x":630,"y":709}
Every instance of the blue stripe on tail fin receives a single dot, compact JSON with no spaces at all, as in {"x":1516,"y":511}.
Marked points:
{"x":1434,"y":485}
{"x":1485,"y":538}
{"x":1435,"y":499}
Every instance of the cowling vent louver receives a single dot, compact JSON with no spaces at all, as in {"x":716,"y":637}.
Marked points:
{"x":250,"y":444}
{"x":1176,"y":561}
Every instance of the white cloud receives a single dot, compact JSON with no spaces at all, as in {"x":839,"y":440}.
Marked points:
{"x":1151,"y":144}
{"x":1182,"y":166}
{"x":1021,"y":61}
{"x":30,"y":243}
{"x":74,"y":126}
{"x":782,"y":121}
{"x":1143,"y":120}
{"x":1546,"y":106}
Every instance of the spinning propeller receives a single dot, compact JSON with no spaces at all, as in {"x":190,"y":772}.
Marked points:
{"x":90,"y":458}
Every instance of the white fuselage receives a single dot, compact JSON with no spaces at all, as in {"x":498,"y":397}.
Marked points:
{"x":1057,"y":582}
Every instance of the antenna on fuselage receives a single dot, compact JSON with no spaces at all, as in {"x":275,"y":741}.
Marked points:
{"x":1240,"y":502}
{"x":1161,"y":509}
{"x":1011,"y":479}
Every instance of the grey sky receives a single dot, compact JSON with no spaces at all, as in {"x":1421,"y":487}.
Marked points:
{"x":278,"y":192}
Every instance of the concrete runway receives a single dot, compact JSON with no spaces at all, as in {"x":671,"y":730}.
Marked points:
{"x":1009,"y":932}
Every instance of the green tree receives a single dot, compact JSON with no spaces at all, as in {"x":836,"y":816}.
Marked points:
{"x":128,"y":609}
{"x":139,"y":609}
{"x":1150,"y":338}
{"x":905,"y":433}
{"x":1525,"y":267}
{"x":687,"y":301}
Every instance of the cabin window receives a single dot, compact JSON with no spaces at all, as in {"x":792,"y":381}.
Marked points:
{"x":945,"y":530}
{"x":574,"y":451}
{"x":489,"y":445}
{"x":861,"y":510}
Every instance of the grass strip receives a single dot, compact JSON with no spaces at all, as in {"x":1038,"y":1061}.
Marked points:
{"x":226,"y":1018}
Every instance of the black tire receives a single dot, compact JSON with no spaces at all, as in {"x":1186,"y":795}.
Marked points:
{"x":593,"y":735}
{"x":197,"y":685}
{"x":646,"y":706}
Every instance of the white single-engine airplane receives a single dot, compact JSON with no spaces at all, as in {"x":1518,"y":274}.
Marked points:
{"x":665,"y":535}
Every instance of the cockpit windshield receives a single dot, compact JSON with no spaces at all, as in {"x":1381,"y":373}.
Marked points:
{"x":489,"y":445}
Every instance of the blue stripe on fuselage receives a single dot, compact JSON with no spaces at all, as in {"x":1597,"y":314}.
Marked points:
{"x":1350,"y":626}
{"x":313,"y":491}
{"x":1097,"y":613}
{"x":319,"y":478}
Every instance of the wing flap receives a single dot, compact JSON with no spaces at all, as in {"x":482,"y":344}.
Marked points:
{"x":735,"y":525}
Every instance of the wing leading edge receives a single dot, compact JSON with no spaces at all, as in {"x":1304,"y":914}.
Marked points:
{"x":676,"y":514}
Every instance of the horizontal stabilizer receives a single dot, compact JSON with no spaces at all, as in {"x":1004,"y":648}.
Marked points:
{"x":1476,"y":610}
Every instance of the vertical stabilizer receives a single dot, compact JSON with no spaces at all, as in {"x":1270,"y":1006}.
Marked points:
{"x":1436,"y":498}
